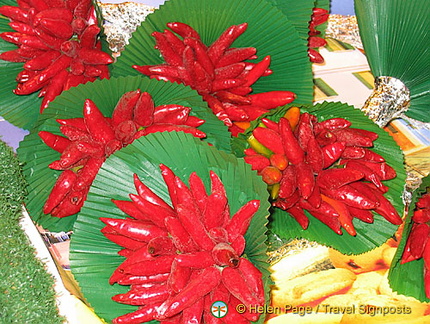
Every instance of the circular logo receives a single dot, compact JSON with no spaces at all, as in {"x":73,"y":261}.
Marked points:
{"x":219,"y":309}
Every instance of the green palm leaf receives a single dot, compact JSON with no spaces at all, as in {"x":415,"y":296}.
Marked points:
{"x":395,"y":35}
{"x":268,"y":30}
{"x":105,"y":94}
{"x":94,"y":257}
{"x":368,"y":236}
{"x":408,"y":279}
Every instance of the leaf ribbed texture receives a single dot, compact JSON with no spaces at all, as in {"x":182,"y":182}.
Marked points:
{"x":395,"y":37}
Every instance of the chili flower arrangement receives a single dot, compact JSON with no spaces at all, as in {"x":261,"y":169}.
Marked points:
{"x":90,"y":140}
{"x":326,"y":168}
{"x":181,"y":258}
{"x":58,"y":43}
{"x":222,"y":75}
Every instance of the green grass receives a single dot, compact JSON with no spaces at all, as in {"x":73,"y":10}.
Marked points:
{"x":26,"y":289}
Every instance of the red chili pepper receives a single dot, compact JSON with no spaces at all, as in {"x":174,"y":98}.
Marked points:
{"x":145,"y":296}
{"x":88,"y":38}
{"x":180,"y":236}
{"x":352,"y":137}
{"x":292,"y":149}
{"x":236,"y":284}
{"x":54,"y":13}
{"x":173,"y":128}
{"x":287,"y":202}
{"x":217,"y":48}
{"x":196,"y":289}
{"x":314,"y":155}
{"x":183,"y":30}
{"x":87,"y":174}
{"x":12,"y":56}
{"x":238,"y":244}
{"x":254,"y":278}
{"x":134,"y":229}
{"x":201,"y":54}
{"x":334,"y":123}
{"x":74,"y":133}
{"x":227,"y":96}
{"x":236,"y":55}
{"x":189,"y":215}
{"x":344,"y":217}
{"x":198,"y":190}
{"x":369,"y":174}
{"x":96,"y":123}
{"x":194,"y":313}
{"x":272,"y":99}
{"x":349,"y":195}
{"x":159,"y":264}
{"x":14,"y":13}
{"x":424,"y":201}
{"x":170,"y":56}
{"x":216,"y":207}
{"x":304,"y":130}
{"x":233,"y":316}
{"x":236,"y":113}
{"x":42,"y":62}
{"x":147,"y":194}
{"x":195,"y":260}
{"x":323,"y":214}
{"x":144,"y":110}
{"x":175,"y":42}
{"x":70,"y":205}
{"x":36,"y":82}
{"x":314,"y":41}
{"x":305,"y":179}
{"x":385,"y":208}
{"x":217,"y":109}
{"x":240,"y":221}
{"x":171,"y":114}
{"x":299,"y":215}
{"x":143,"y":314}
{"x":336,"y":178}
{"x":54,"y":89}
{"x":133,"y":279}
{"x":56,"y":142}
{"x":179,"y":277}
{"x":382,"y":169}
{"x":269,"y":138}
{"x":94,"y":56}
{"x":364,"y":215}
{"x":154,"y":212}
{"x":315,"y":56}
{"x":257,"y":71}
{"x":57,"y":27}
{"x":130,"y":209}
{"x":288,"y":182}
{"x":62,"y":187}
{"x":161,"y":245}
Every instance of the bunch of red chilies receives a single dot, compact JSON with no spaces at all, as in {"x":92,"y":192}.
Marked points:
{"x":183,"y":257}
{"x":220,"y":74}
{"x":91,"y":139}
{"x":418,"y":243}
{"x":57,"y":42}
{"x":325,"y":168}
{"x":319,"y":17}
